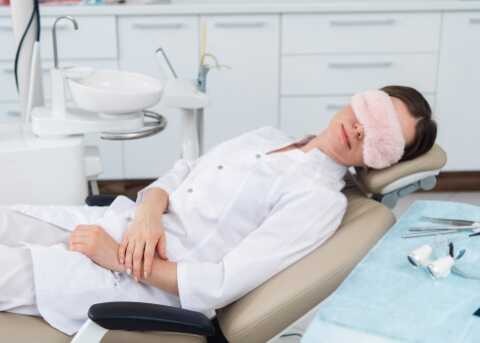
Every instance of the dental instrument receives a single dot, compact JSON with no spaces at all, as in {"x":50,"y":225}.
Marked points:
{"x":440,"y":267}
{"x":455,"y":225}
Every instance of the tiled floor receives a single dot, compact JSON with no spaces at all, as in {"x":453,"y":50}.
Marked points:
{"x":402,"y":205}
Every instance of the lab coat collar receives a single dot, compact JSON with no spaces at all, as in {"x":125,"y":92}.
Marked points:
{"x":315,"y":157}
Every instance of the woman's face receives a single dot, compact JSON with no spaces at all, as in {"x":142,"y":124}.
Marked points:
{"x":345,"y":134}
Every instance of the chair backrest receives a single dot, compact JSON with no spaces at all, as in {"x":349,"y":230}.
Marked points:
{"x":282,"y":300}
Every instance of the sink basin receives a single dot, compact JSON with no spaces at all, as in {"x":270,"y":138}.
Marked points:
{"x":112,"y":91}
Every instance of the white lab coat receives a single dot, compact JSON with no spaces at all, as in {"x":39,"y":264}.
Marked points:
{"x":236,"y":217}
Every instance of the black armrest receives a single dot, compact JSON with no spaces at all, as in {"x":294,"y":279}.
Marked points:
{"x":134,"y":316}
{"x":100,"y":199}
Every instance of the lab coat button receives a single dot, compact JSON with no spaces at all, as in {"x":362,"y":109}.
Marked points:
{"x":258,"y":156}
{"x":190,"y":190}
{"x":220,"y":167}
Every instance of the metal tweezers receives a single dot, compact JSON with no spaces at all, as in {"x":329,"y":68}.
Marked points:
{"x":450,"y":226}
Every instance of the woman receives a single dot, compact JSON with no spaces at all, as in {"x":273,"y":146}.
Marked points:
{"x":221,"y":225}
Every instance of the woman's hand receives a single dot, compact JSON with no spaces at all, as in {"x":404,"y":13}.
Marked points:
{"x":145,"y":235}
{"x":94,"y":242}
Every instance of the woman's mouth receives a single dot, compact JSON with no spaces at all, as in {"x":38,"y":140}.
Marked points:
{"x":345,"y":139}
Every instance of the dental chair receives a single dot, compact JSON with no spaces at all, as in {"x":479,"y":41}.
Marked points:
{"x":278,"y":304}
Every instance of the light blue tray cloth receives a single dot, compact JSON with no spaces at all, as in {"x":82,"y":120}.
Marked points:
{"x":384,"y":299}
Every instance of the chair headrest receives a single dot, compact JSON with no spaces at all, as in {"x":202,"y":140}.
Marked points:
{"x":377,"y":180}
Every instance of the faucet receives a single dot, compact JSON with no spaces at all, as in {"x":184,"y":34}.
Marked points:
{"x":54,"y":36}
{"x":57,"y":75}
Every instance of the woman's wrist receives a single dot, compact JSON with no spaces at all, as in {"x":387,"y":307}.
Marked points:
{"x":157,"y":198}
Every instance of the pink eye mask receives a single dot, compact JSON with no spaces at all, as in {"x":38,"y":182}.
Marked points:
{"x":383,"y":142}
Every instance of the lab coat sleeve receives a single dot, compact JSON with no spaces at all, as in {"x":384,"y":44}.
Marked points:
{"x":172,"y":179}
{"x":299,"y":223}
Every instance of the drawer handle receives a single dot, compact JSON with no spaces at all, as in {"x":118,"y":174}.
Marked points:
{"x":6,"y":28}
{"x":360,"y":65}
{"x":13,"y":113}
{"x":50,"y":27}
{"x":141,"y":26}
{"x":474,"y":20}
{"x":334,"y":107}
{"x":361,"y":22}
{"x":245,"y":24}
{"x":10,"y":70}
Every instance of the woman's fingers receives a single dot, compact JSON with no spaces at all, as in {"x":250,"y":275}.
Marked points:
{"x":161,"y":248}
{"x":148,"y":258}
{"x":78,"y":236}
{"x":129,"y":255}
{"x":138,"y":259}
{"x":122,"y":249}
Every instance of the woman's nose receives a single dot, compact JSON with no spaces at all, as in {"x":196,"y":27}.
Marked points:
{"x":358,"y":129}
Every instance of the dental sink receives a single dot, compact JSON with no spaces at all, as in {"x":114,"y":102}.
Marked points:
{"x":112,"y":92}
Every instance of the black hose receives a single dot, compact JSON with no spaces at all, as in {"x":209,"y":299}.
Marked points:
{"x":17,"y":55}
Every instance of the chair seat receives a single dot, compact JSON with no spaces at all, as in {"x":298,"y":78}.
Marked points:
{"x":19,"y":328}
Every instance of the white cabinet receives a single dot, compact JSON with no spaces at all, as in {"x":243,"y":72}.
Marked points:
{"x":245,"y":96}
{"x":139,"y":39}
{"x":328,"y":57}
{"x":458,"y":100}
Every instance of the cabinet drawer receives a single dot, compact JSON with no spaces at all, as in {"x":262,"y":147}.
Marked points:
{"x":347,"y":74}
{"x":358,"y":33}
{"x":10,"y":113}
{"x":244,"y":97}
{"x":7,"y":82}
{"x":7,"y":52}
{"x":96,"y":37}
{"x":141,"y":36}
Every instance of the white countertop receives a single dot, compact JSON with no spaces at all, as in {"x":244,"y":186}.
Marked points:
{"x":259,"y":6}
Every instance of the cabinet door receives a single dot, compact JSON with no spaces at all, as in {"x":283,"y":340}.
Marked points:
{"x":9,"y":112}
{"x":244,"y":96}
{"x":96,"y":37}
{"x":458,"y":100}
{"x":7,"y":52}
{"x":139,"y":38}
{"x":349,"y":73}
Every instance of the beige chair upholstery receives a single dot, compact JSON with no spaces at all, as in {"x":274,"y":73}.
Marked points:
{"x":279,"y":302}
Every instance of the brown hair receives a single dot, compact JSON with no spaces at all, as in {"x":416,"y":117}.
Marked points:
{"x":426,"y":127}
